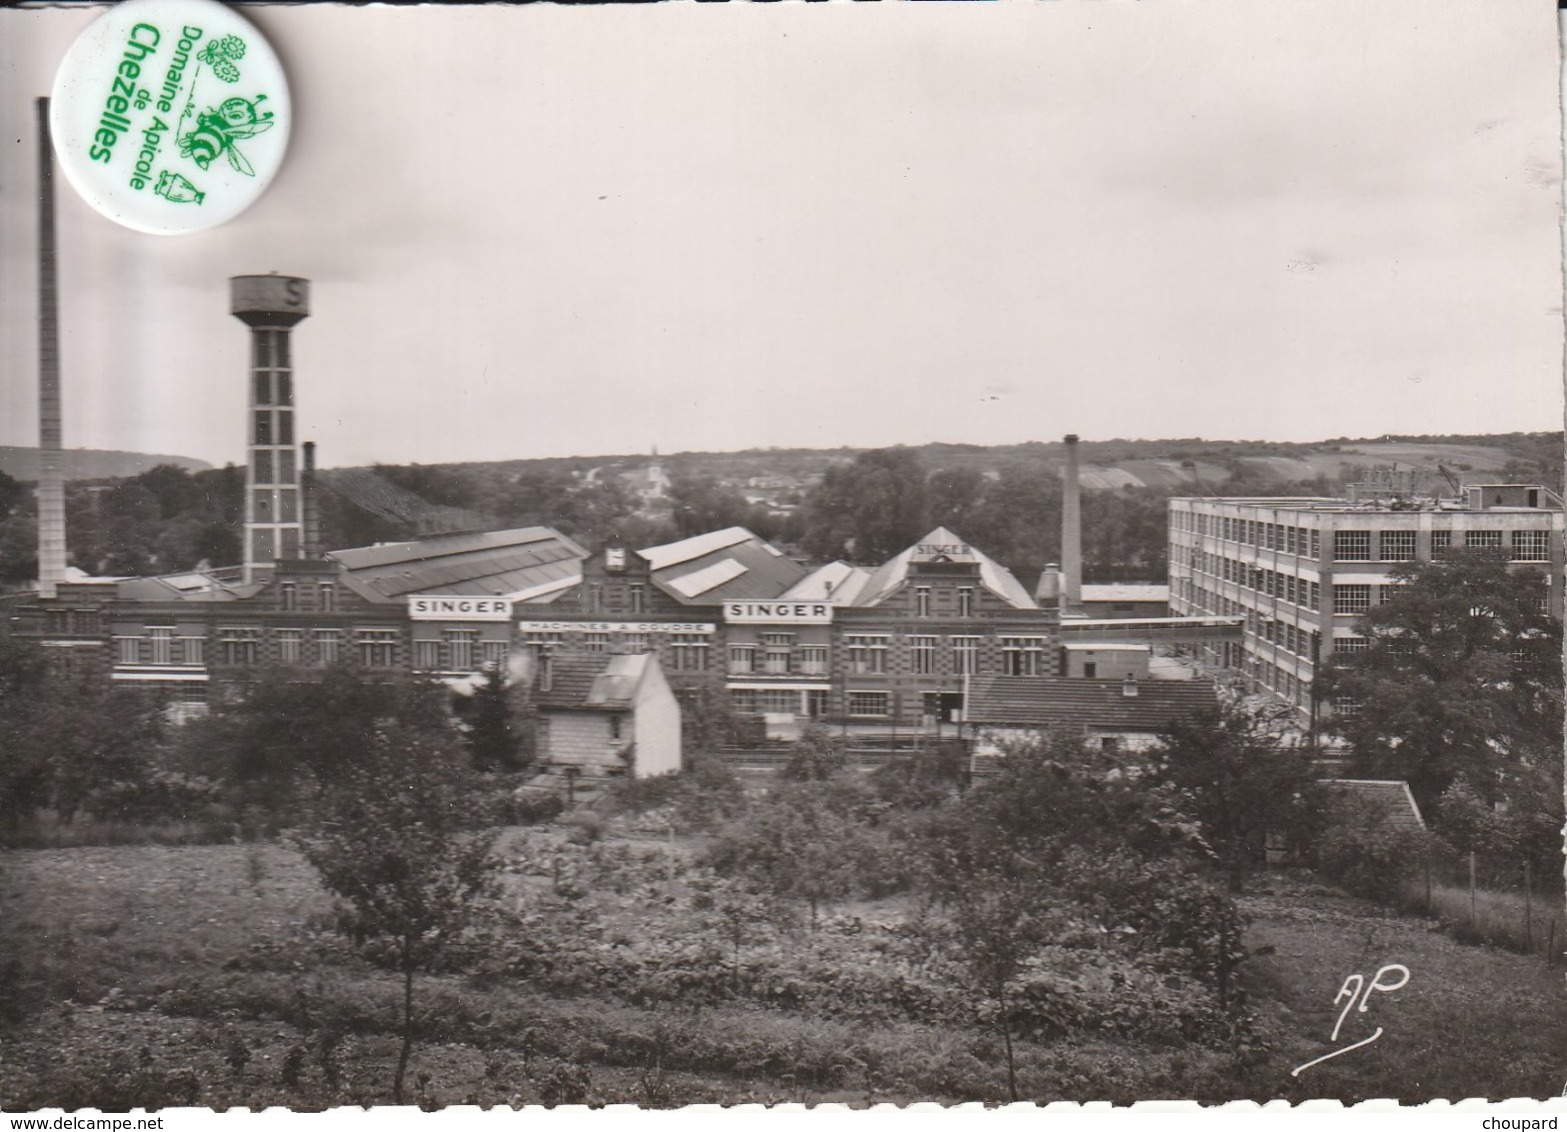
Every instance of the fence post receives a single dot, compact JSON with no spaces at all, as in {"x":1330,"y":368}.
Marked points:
{"x":1474,"y":920}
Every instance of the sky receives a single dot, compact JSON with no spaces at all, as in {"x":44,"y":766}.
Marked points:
{"x":548,"y":231}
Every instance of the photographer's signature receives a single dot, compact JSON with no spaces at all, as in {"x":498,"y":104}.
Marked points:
{"x":1357,"y":990}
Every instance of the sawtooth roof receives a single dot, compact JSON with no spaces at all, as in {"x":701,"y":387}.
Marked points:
{"x":889,"y":577}
{"x":515,"y":563}
{"x":721,"y":566}
{"x":1083,"y":704}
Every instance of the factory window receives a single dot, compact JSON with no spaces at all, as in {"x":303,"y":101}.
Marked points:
{"x":614,"y":727}
{"x":263,"y":387}
{"x":867,"y":653}
{"x":1022,"y":656}
{"x":261,"y":465}
{"x":288,"y":596}
{"x":239,"y":645}
{"x":780,"y":700}
{"x":427,"y":656}
{"x":595,"y":597}
{"x":813,"y":660}
{"x":1396,"y":546}
{"x":377,"y":647}
{"x":285,"y":427}
{"x":460,"y":642}
{"x":688,"y":652}
{"x":326,"y":595}
{"x":1531,"y":546}
{"x":162,"y":645}
{"x":869,"y":703}
{"x":922,"y":601}
{"x":965,"y":601}
{"x":1482,"y":540}
{"x":638,"y":596}
{"x":290,"y":543}
{"x":1351,"y":546}
{"x":261,"y":505}
{"x":494,"y":653}
{"x":1351,"y":599}
{"x":1345,"y":708}
{"x":636,"y":643}
{"x":1441,"y":543}
{"x":288,"y":645}
{"x":742,"y":658}
{"x":1291,"y":542}
{"x":1290,"y":583}
{"x":193,"y":650}
{"x":1351,"y":644}
{"x":1316,"y":544}
{"x":287,"y":507}
{"x":280,"y":349}
{"x":285,"y":466}
{"x":328,"y":643}
{"x":965,"y":655}
{"x":263,"y":433}
{"x":595,"y":642}
{"x":127,"y":650}
{"x":924,"y":654}
{"x":776,"y":655}
{"x":816,"y":703}
{"x":743,"y":700}
{"x":1316,"y":595}
{"x":285,"y":388}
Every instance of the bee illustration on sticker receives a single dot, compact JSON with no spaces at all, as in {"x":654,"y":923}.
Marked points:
{"x":216,"y":132}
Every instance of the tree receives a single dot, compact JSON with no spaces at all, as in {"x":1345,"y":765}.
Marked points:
{"x":803,"y":842}
{"x":388,"y":840}
{"x":869,"y":509}
{"x":815,"y":756}
{"x":1242,"y":779}
{"x":1462,"y":676}
{"x":495,"y":742}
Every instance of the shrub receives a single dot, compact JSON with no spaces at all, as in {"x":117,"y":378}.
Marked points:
{"x":1371,"y":858}
{"x":530,"y":805}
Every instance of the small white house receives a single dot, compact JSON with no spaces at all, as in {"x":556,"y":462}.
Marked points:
{"x":606,"y":715}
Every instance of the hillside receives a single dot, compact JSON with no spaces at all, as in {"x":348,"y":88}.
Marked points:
{"x":91,"y":463}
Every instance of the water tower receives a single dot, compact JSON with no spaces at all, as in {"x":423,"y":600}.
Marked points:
{"x":270,"y":305}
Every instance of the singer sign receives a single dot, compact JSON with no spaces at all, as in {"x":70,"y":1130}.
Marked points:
{"x":446,"y":607}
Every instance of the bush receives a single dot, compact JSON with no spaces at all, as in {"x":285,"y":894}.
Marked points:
{"x":1371,"y":858}
{"x":532,"y":806}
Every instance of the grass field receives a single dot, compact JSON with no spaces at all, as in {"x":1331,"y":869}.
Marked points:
{"x":157,"y":975}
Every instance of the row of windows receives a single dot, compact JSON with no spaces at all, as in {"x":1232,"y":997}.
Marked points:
{"x":785,"y":701}
{"x":459,"y":650}
{"x":1290,"y":539}
{"x":1270,"y":583}
{"x":238,"y":645}
{"x":273,"y":426}
{"x":274,"y":387}
{"x":1358,"y":546}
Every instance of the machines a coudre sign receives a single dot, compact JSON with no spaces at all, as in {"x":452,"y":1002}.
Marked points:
{"x":772,"y":612}
{"x":438,"y":607}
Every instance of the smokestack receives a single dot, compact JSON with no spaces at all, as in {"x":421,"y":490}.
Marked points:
{"x":1071,"y":531}
{"x":270,"y":305}
{"x":51,"y":482}
{"x":311,"y":537}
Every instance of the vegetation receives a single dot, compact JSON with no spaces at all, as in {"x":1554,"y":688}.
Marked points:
{"x":1464,"y":669}
{"x":389,"y":839}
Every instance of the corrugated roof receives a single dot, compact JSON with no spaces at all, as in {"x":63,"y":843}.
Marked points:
{"x":893,"y":573}
{"x":708,"y":577}
{"x":1126,"y":593}
{"x":1039,"y":702}
{"x":674,"y":553}
{"x":522,"y":562}
{"x":732,"y":564}
{"x":837,"y":582}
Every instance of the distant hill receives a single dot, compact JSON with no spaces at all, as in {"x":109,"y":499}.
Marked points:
{"x":91,"y":463}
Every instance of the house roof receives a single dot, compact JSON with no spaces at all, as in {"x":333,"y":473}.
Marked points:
{"x":1034,"y":701}
{"x":837,"y":582}
{"x":1389,"y":801}
{"x":721,"y":566}
{"x":518,"y":563}
{"x":938,"y":546}
{"x":1126,"y":592}
{"x":594,"y":680}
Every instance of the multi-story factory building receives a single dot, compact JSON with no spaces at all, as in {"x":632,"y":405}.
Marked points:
{"x":1301,"y":571}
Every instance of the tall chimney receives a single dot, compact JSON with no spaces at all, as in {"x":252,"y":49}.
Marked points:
{"x":307,"y":501}
{"x":51,"y":481}
{"x":1071,"y":531}
{"x":270,"y":305}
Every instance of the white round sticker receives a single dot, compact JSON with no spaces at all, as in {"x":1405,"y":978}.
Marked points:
{"x":170,"y":116}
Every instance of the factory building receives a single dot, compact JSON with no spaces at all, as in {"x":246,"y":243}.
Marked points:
{"x":1300,"y":572}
